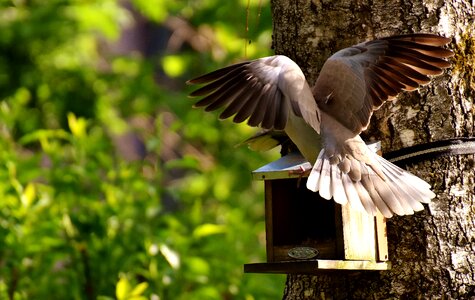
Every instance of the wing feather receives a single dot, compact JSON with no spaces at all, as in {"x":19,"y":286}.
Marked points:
{"x":219,"y":82}
{"x":282,"y":112}
{"x":212,"y":76}
{"x":222,"y":98}
{"x":271,"y":108}
{"x":375,"y":72}
{"x":263,"y":100}
{"x":263,"y":91}
{"x":388,"y":71}
{"x":242,"y":106}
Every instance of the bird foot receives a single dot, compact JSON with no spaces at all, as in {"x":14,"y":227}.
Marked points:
{"x":301,"y":171}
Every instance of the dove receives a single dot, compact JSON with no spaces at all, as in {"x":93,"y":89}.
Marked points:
{"x":325,"y":121}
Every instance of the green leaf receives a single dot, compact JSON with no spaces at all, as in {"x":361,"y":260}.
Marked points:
{"x":174,"y":65}
{"x":171,"y":256}
{"x":198,"y":266}
{"x":122,"y":289}
{"x":43,"y":135}
{"x":208,"y":229}
{"x":77,"y":125}
{"x":68,"y":196}
{"x":139,"y":289}
{"x":154,"y":9}
{"x":28,"y":195}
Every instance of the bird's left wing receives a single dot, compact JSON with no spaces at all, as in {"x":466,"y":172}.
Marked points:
{"x":357,"y":80}
{"x":263,"y":91}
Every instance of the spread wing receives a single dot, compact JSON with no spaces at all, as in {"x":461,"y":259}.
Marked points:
{"x":357,"y":80}
{"x":263,"y":91}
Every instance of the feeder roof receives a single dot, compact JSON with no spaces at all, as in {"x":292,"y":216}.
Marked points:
{"x":289,"y":166}
{"x":292,"y":165}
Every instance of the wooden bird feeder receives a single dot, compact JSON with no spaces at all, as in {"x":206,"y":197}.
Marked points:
{"x":308,"y":234}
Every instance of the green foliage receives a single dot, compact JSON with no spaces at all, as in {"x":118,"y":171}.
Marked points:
{"x":79,"y":219}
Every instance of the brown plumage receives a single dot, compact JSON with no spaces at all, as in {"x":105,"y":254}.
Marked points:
{"x":272,"y":93}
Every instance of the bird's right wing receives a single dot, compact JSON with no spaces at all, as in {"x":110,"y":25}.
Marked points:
{"x":356,"y":81}
{"x":263,"y":91}
{"x":353,"y":83}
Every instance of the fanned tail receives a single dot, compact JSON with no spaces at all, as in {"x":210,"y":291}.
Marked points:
{"x":381,"y":186}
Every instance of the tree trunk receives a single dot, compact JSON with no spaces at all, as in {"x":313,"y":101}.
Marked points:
{"x":432,"y":252}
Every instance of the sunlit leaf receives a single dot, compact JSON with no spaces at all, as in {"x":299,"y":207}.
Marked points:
{"x":222,"y":190}
{"x":122,"y":289}
{"x":154,"y":9}
{"x":153,"y":249}
{"x":139,"y":289}
{"x":153,"y":270}
{"x":104,"y":298}
{"x":28,"y":195}
{"x":198,"y":266}
{"x":43,"y":135}
{"x":104,"y":16}
{"x":207,"y":292}
{"x":208,"y":229}
{"x":75,"y":75}
{"x":22,"y":95}
{"x":174,"y":65}
{"x":123,"y":65}
{"x":77,"y":125}
{"x":187,"y":162}
{"x":171,"y":256}
{"x":197,"y":185}
{"x":68,"y":226}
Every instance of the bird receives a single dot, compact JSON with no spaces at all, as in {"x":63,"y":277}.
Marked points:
{"x":325,"y":121}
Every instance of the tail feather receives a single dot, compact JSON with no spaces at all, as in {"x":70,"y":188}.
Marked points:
{"x":365,"y":198}
{"x":418,"y":188}
{"x":396,"y":188}
{"x":355,"y":171}
{"x":325,"y":178}
{"x":351,"y":193}
{"x":337,"y":189}
{"x":312,"y":181}
{"x":378,"y":201}
{"x":385,"y":192}
{"x":391,"y":190}
{"x":397,"y":170}
{"x":412,"y":196}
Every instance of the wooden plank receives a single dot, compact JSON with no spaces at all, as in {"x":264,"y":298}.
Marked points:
{"x":380,"y":230}
{"x":381,"y":238}
{"x":326,"y":250}
{"x":353,"y":265}
{"x":316,"y":266}
{"x":292,"y":267}
{"x":358,"y":234}
{"x":339,"y":241}
{"x":269,"y":221}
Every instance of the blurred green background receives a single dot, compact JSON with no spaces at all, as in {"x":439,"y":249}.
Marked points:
{"x":111,"y":185}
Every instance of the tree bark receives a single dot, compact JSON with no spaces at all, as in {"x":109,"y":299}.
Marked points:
{"x":433,"y":252}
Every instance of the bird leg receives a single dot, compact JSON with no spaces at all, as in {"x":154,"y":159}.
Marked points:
{"x":301,"y":171}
